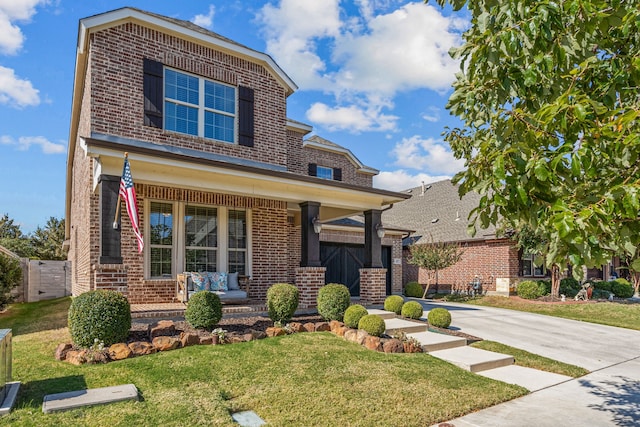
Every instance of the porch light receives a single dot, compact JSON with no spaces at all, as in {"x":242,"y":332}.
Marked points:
{"x":317,"y":225}
{"x":380,"y":230}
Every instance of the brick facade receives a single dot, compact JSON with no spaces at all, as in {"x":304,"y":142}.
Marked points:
{"x":309,"y":280}
{"x":373,"y":285}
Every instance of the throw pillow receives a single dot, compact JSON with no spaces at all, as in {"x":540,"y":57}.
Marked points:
{"x":233,"y":282}
{"x":218,"y":281}
{"x":200,"y":281}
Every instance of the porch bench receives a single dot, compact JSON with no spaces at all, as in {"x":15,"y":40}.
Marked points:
{"x":185,"y":289}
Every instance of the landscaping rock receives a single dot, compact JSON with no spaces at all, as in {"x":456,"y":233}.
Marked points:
{"x":335,"y":324}
{"x":322,"y":327}
{"x":393,"y":346}
{"x":120,"y":351}
{"x":412,"y":348}
{"x":297,"y":327}
{"x":234,"y":339}
{"x":342,"y":330}
{"x":258,"y":335}
{"x":206,"y":340}
{"x":163,"y":343}
{"x":95,"y":357}
{"x":351,"y":335}
{"x":142,"y":348}
{"x":76,"y":357}
{"x":362,"y":335}
{"x":247,"y":337}
{"x":187,"y":339}
{"x":164,"y":328}
{"x":62,"y":350}
{"x":373,"y":343}
{"x":275,"y":332}
{"x":309,"y":327}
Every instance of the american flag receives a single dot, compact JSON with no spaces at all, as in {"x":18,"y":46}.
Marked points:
{"x":128,"y":194}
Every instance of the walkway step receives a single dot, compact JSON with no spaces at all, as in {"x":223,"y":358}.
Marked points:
{"x":474,"y":359}
{"x":432,"y":341}
{"x":401,"y":325}
{"x":382,"y":313}
{"x":531,"y":379}
{"x":94,"y":396}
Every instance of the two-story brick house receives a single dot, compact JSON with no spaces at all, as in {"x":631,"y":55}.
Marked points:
{"x":224,"y":180}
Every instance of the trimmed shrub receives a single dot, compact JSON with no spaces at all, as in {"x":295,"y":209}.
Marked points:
{"x":10,"y":276}
{"x":439,"y":317}
{"x":282,"y":302}
{"x":622,"y":288}
{"x":602,"y":285}
{"x":413,"y":290}
{"x":569,"y":286}
{"x":530,"y":289}
{"x":99,"y":315}
{"x":333,"y":300}
{"x":353,"y":314}
{"x":547,"y":286}
{"x":394,"y":303}
{"x":204,"y":310}
{"x":372,"y":324}
{"x":412,"y":310}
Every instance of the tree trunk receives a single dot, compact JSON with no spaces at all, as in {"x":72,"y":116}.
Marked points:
{"x":555,"y":280}
{"x":635,"y":276}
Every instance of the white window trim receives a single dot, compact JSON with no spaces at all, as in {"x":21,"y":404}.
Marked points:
{"x":201,"y":108}
{"x":318,"y":167}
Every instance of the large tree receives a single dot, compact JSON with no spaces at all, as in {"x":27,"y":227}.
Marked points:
{"x":549,"y":97}
{"x":432,"y":257}
{"x":47,"y":242}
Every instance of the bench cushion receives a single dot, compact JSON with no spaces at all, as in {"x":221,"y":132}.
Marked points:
{"x":226,"y":295}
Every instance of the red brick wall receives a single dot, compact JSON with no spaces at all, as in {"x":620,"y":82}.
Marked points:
{"x":309,"y":280}
{"x":373,"y":285}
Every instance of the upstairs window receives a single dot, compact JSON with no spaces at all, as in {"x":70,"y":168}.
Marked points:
{"x":324,"y":172}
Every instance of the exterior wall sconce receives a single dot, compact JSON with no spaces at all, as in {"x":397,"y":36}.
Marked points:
{"x":380,"y":230}
{"x":317,"y":225}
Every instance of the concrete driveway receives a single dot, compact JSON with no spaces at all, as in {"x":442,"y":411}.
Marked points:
{"x":608,"y":396}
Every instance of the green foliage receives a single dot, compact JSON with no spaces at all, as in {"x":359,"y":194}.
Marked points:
{"x":394,"y":303}
{"x":547,"y":286}
{"x":439,"y":317}
{"x":204,"y":310}
{"x":622,"y":288}
{"x":10,"y":277}
{"x":282,"y":302}
{"x":413,"y":289}
{"x":44,"y":243}
{"x":372,"y":324}
{"x":353,"y":314}
{"x":333,"y":300}
{"x":569,"y":286}
{"x":99,"y":315}
{"x":9,"y":230}
{"x":548,"y":97}
{"x":530,"y":289}
{"x":602,"y":285}
{"x":412,"y":310}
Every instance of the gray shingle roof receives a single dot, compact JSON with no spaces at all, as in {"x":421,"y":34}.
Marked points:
{"x":439,"y":213}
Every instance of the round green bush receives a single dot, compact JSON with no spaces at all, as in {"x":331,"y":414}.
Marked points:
{"x":333,"y":300}
{"x":353,"y":314}
{"x":622,"y":288}
{"x":413,"y":290}
{"x":412,"y":310}
{"x":602,"y":285}
{"x":204,"y":310}
{"x":439,"y":317}
{"x":282,"y":302}
{"x":99,"y":315}
{"x":372,"y":324}
{"x":394,"y":303}
{"x":10,"y":277}
{"x":569,"y":286}
{"x":546,"y":284}
{"x":530,"y":289}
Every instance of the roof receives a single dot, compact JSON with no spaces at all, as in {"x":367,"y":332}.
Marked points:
{"x":324,"y":144}
{"x":438,"y":213}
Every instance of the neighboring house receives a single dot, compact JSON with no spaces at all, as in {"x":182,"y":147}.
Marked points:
{"x":224,"y":180}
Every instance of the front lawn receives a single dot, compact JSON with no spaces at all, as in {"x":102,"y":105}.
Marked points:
{"x":303,"y":379}
{"x":605,"y":313}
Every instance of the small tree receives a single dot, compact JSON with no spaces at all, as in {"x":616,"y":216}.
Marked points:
{"x":433,"y":257}
{"x":10,"y":276}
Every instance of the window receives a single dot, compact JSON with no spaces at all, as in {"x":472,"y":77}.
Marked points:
{"x":324,"y":172}
{"x":161,"y":239}
{"x":196,"y":106}
{"x":533,"y":266}
{"x":201,"y":239}
{"x":237,"y":241}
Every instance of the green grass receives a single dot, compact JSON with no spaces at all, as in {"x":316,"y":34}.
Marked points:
{"x":303,"y":379}
{"x":531,"y":360}
{"x":604,"y":313}
{"x":24,"y":318}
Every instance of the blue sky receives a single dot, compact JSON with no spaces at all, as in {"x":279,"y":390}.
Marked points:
{"x":373,"y":76}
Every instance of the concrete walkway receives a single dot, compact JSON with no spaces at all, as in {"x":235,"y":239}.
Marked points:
{"x":608,"y":396}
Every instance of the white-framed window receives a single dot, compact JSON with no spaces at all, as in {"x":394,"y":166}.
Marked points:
{"x":533,"y":265}
{"x":189,"y":237}
{"x":197,"y":106}
{"x":324,"y":172}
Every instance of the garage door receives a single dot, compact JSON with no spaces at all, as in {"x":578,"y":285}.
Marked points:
{"x":343,"y":262}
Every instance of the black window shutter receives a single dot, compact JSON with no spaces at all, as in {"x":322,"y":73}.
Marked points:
{"x":152,"y":93}
{"x":313,"y":169}
{"x":337,"y":174}
{"x":245,"y":116}
{"x":520,"y":263}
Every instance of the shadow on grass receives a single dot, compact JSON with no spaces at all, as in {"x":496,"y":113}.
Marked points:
{"x":620,"y":396}
{"x":32,"y":393}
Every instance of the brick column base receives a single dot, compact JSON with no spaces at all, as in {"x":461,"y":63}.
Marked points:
{"x":309,"y":280}
{"x":373,"y":285}
{"x":111,"y":277}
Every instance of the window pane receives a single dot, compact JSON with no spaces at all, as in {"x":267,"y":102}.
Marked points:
{"x":237,"y":262}
{"x":160,"y":262}
{"x":219,"y":97}
{"x":181,"y":118}
{"x":161,"y":224}
{"x":324,"y":172}
{"x":237,"y":229}
{"x":201,"y":260}
{"x":181,"y":87}
{"x":218,"y":126}
{"x":526,"y":267}
{"x":201,"y":226}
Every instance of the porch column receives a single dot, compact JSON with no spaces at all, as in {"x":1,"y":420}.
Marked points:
{"x":373,"y":285}
{"x":310,"y":247}
{"x":372,"y":243}
{"x":109,"y":237}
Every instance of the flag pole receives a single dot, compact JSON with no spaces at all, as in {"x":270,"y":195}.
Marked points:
{"x":115,"y":219}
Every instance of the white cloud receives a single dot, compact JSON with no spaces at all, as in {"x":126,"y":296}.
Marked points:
{"x":205,"y":21}
{"x":428,"y":154}
{"x":353,"y":118}
{"x":400,"y":180}
{"x":11,"y":37}
{"x":432,"y":114}
{"x":23,"y":143}
{"x":16,"y":91}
